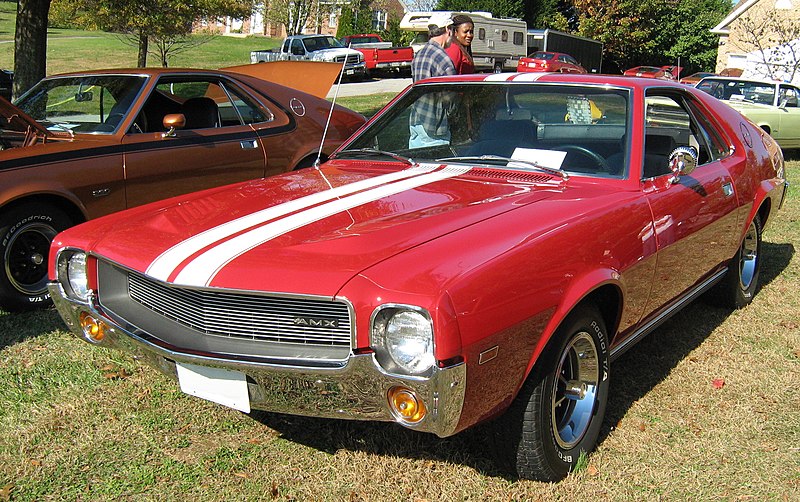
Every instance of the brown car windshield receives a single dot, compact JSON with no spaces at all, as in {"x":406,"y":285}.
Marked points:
{"x":82,"y":104}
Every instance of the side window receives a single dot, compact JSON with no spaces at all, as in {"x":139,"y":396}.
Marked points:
{"x":481,"y":33}
{"x":504,"y":36}
{"x":788,"y":97}
{"x":670,"y":122}
{"x":518,"y":38}
{"x":285,"y":47}
{"x":242,"y":109}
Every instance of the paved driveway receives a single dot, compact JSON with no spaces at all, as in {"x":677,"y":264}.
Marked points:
{"x":371,"y":86}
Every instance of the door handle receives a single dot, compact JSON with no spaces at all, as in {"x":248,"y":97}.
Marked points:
{"x":248,"y":144}
{"x":727,"y":189}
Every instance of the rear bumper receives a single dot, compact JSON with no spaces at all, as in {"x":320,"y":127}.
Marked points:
{"x":356,"y":389}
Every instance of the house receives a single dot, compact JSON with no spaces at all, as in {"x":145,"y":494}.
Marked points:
{"x":323,"y":19}
{"x":761,"y":38}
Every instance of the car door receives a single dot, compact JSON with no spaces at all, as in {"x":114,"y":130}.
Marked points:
{"x":695,"y":217}
{"x":217,"y":146}
{"x":789,"y":113}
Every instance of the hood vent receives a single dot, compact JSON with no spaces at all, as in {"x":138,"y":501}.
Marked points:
{"x":526,"y":177}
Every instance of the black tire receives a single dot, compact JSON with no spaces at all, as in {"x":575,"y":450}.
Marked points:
{"x":741,"y":282}
{"x":547,"y":427}
{"x":25,"y":235}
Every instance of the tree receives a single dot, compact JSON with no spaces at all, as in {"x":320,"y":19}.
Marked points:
{"x":499,"y":8}
{"x":293,"y":14}
{"x":165,"y":23}
{"x":686,"y":34}
{"x":30,"y":44}
{"x":772,"y":43}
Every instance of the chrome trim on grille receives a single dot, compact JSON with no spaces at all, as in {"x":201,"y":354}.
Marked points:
{"x":230,"y":322}
{"x":248,"y":316}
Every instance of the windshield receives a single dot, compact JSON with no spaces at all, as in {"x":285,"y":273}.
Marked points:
{"x":319,"y":43}
{"x":739,"y":90}
{"x":85,"y":104}
{"x":576,"y":129}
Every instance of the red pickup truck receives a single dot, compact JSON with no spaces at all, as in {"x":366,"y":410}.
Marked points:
{"x":378,"y":54}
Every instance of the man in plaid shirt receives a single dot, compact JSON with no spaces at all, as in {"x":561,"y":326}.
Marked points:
{"x":429,"y":124}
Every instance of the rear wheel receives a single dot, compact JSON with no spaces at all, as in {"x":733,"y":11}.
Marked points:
{"x":740,"y":284}
{"x":26,"y":235}
{"x":559,"y":410}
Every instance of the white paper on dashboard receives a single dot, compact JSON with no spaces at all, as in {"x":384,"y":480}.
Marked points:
{"x":225,"y":387}
{"x":545,"y":158}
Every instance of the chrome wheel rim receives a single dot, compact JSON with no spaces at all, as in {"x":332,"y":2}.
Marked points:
{"x":748,"y":257}
{"x":26,"y":258}
{"x":575,"y":389}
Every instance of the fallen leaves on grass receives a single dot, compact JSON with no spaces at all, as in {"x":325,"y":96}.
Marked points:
{"x":718,"y":383}
{"x":5,"y":492}
{"x":274,"y":491}
{"x":592,"y":470}
{"x":111,"y":372}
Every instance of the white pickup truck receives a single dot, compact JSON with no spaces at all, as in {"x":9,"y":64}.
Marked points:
{"x":315,"y":48}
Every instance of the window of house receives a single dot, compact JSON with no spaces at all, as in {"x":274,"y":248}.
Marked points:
{"x":379,"y":19}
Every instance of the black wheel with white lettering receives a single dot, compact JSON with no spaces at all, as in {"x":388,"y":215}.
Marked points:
{"x":557,"y":414}
{"x":26,"y":232}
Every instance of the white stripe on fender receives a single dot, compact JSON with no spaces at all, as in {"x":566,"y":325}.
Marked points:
{"x":201,"y":270}
{"x":166,"y":263}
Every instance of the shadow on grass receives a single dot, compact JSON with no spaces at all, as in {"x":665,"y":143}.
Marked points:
{"x":20,"y":326}
{"x":633,"y":375}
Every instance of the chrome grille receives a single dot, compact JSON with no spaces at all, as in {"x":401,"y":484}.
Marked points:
{"x":243,"y":316}
{"x":351,"y":59}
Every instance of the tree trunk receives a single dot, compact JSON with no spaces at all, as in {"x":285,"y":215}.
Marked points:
{"x":141,"y":61}
{"x":30,"y":44}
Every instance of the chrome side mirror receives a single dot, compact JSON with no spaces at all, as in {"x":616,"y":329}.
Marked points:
{"x":682,"y":161}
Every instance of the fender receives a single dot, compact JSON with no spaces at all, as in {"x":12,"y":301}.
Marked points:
{"x":577,"y":291}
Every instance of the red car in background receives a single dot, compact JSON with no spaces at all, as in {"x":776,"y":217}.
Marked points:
{"x":663,"y":72}
{"x":557,"y":62}
{"x":694,"y":78}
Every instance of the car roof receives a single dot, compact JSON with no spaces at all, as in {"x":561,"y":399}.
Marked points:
{"x":740,"y":79}
{"x":547,"y":77}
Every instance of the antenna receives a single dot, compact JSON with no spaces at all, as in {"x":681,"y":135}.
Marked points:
{"x":330,"y":114}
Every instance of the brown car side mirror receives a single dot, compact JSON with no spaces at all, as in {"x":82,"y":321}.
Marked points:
{"x":172,"y":122}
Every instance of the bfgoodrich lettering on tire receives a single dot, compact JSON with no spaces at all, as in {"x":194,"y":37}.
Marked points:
{"x":559,"y":410}
{"x":25,"y":235}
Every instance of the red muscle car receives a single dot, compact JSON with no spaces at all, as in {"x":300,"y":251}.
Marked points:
{"x":471,"y":253}
{"x":81,"y":145}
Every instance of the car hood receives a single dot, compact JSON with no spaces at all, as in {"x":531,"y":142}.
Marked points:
{"x":309,"y":231}
{"x":333,"y":52}
{"x":15,"y":119}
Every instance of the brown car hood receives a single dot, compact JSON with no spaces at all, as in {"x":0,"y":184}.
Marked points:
{"x":15,"y":119}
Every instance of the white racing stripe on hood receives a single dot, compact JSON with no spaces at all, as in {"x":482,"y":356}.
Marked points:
{"x":201,"y":270}
{"x":163,"y":266}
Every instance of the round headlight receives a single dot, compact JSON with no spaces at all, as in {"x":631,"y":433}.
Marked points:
{"x":77,"y":277}
{"x":409,"y":341}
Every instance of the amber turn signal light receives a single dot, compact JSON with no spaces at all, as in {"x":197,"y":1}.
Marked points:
{"x":93,"y":329}
{"x":406,"y":405}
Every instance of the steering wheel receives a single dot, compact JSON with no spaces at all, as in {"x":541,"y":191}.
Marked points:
{"x":598,"y":159}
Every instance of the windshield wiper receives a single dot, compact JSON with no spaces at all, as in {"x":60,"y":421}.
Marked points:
{"x":370,"y":152}
{"x":498,"y":158}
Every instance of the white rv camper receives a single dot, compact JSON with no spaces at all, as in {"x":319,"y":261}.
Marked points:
{"x":498,"y":44}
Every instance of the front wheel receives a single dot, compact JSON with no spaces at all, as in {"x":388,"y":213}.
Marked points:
{"x":558,"y":413}
{"x":26,"y":235}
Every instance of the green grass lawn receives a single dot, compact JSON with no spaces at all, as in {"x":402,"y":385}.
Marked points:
{"x":73,"y":50}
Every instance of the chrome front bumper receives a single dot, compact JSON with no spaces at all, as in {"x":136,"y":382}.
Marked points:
{"x":355,"y":390}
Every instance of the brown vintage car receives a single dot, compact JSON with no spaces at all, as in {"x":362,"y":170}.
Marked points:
{"x":81,"y":145}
